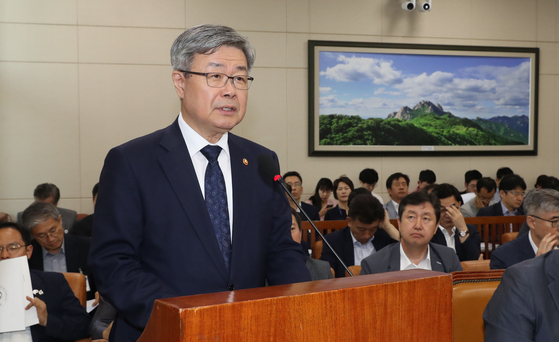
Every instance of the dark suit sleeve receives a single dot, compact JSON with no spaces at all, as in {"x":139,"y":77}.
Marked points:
{"x":67,"y":318}
{"x":456,"y":265}
{"x":365,"y":267}
{"x":471,"y":248}
{"x":509,"y":315}
{"x":104,"y":315}
{"x":486,"y":211}
{"x":327,"y":254}
{"x":117,"y":238}
{"x":497,"y":262}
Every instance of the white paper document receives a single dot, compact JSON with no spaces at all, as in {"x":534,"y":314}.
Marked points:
{"x":15,"y":284}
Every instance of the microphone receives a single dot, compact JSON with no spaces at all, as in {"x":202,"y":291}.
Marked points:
{"x":270,"y":169}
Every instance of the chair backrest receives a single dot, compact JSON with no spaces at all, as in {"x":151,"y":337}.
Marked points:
{"x":475,"y":265}
{"x":507,"y":237}
{"x":317,"y":250}
{"x":355,"y":269}
{"x":325,"y":227}
{"x":491,"y":228}
{"x":77,"y":284}
{"x":80,"y":216}
{"x":471,"y":292}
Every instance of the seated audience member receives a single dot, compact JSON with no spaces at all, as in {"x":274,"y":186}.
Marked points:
{"x":426,"y":178}
{"x":546,"y":182}
{"x":419,"y":215}
{"x":5,"y":217}
{"x":304,"y":245}
{"x":84,"y":226}
{"x":453,"y":231}
{"x":368,"y":179}
{"x":542,"y":209}
{"x":319,"y":269}
{"x":470,"y":181}
{"x":55,"y":251}
{"x":512,"y":189}
{"x":61,"y":316}
{"x":294,"y":179}
{"x":502,"y":172}
{"x":397,"y":186}
{"x":321,"y":197}
{"x":486,"y":188}
{"x":50,"y":193}
{"x":368,"y":231}
{"x":525,"y":306}
{"x":102,"y":321}
{"x":343,"y":186}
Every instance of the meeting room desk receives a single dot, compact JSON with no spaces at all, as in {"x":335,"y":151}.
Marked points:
{"x":397,"y":306}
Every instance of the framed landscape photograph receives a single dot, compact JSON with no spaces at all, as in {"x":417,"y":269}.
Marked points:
{"x":378,"y":99}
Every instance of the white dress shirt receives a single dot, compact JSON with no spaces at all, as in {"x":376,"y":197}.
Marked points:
{"x":55,"y":262}
{"x":532,"y":243}
{"x":406,"y":264}
{"x":361,"y":251}
{"x":450,"y":242}
{"x":396,"y":205}
{"x":195,"y":142}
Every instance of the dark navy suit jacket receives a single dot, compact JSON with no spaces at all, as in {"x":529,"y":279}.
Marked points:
{"x":152,"y":235}
{"x":469,"y":250}
{"x":311,"y":210}
{"x":76,"y":249}
{"x":512,"y":253}
{"x":335,"y":214}
{"x":67,"y":318}
{"x":496,"y":210}
{"x":342,"y":243}
{"x":525,"y":306}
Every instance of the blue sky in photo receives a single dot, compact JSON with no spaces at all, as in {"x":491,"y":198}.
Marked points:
{"x":375,"y":85}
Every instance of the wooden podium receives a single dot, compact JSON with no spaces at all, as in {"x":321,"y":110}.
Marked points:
{"x":396,"y":306}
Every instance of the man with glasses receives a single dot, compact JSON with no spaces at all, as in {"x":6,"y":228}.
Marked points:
{"x":61,"y":316}
{"x":186,"y":210}
{"x":55,"y":251}
{"x":512,"y":190}
{"x":294,"y":179}
{"x":542,"y":207}
{"x":486,"y":188}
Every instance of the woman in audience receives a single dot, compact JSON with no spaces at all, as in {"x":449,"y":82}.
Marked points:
{"x":321,"y":198}
{"x":343,"y":186}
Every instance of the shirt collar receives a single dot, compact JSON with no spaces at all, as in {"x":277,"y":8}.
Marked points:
{"x":61,"y":252}
{"x":195,"y":142}
{"x":506,"y":212}
{"x":445,"y":232}
{"x":357,"y":243}
{"x":405,"y":261}
{"x":532,"y":243}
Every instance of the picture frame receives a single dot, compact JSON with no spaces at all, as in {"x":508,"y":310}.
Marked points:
{"x":384,"y":99}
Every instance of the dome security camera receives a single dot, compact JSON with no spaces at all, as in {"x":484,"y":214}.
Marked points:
{"x":409,"y":5}
{"x":426,"y":6}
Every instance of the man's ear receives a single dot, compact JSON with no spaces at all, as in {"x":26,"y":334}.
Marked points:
{"x":348,"y":219}
{"x":29,"y":251}
{"x":179,"y":82}
{"x":531,"y":221}
{"x":502,"y":193}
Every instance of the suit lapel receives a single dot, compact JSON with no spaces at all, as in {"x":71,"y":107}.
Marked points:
{"x":70,"y":254}
{"x":525,"y":248}
{"x":178,"y":168}
{"x":552,"y":271}
{"x":348,"y":255}
{"x":436,"y":262}
{"x":394,"y":261}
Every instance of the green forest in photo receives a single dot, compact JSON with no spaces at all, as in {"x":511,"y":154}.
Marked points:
{"x":424,"y":125}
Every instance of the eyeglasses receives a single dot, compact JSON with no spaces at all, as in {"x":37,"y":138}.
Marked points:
{"x":294,"y":185}
{"x":219,"y":80}
{"x":515,"y":193}
{"x":52,"y":232}
{"x":12,"y":248}
{"x":554,"y":223}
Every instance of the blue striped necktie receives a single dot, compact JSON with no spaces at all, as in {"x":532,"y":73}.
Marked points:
{"x":216,"y":201}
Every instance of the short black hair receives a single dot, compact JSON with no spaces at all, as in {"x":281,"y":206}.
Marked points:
{"x":297,"y":217}
{"x":427,"y":176}
{"x":369,"y":176}
{"x":46,"y":190}
{"x":511,"y":182}
{"x":486,"y":182}
{"x":446,"y":190}
{"x":337,"y":182}
{"x":504,"y":171}
{"x":95,"y":189}
{"x":418,"y":198}
{"x":366,"y":208}
{"x":547,"y":182}
{"x":396,"y":176}
{"x":25,"y":234}
{"x":293,"y":173}
{"x":472,"y":175}
{"x":356,"y":192}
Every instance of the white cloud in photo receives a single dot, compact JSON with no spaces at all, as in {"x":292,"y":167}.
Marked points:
{"x":353,"y":69}
{"x":325,"y":89}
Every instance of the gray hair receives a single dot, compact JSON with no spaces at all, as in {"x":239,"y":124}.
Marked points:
{"x":540,"y":201}
{"x":206,"y":39}
{"x":38,"y":212}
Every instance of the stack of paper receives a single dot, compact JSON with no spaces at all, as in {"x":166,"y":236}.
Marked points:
{"x":15,"y":285}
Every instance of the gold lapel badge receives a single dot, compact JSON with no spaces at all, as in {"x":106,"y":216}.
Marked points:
{"x":245,"y":161}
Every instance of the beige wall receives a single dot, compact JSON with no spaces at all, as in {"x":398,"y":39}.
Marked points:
{"x":78,"y":77}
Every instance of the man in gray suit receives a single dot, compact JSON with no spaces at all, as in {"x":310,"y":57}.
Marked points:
{"x":485,"y":190}
{"x":319,"y":269}
{"x":49,"y":193}
{"x":525,"y":306}
{"x":419,"y":214}
{"x":397,"y":186}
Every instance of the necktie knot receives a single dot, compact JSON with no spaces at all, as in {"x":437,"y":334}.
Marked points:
{"x":211,"y":152}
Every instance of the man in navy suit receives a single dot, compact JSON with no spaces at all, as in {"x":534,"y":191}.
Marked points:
{"x":294,"y":179}
{"x":453,"y":231}
{"x":61,"y":316}
{"x":397,"y":186}
{"x":419,"y":216}
{"x":525,"y":306}
{"x":542,"y":207}
{"x":512,"y":190}
{"x":152,"y":235}
{"x":368,"y":231}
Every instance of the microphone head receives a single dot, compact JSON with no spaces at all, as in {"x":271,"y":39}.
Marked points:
{"x":268,"y":167}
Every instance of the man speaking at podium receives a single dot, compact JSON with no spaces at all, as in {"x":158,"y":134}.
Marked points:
{"x":186,"y":210}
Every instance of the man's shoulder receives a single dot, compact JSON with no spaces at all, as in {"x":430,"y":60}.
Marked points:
{"x":77,"y":240}
{"x":67,"y":212}
{"x":249,"y":145}
{"x":338,"y":235}
{"x":48,"y":278}
{"x":381,"y":259}
{"x":443,"y":251}
{"x":491,"y":210}
{"x":512,"y":247}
